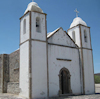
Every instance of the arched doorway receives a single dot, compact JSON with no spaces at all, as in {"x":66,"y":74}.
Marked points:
{"x":64,"y":78}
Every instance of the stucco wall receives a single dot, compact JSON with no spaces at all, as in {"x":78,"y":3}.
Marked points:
{"x":88,"y":72}
{"x":39,"y":69}
{"x":61,"y":46}
{"x":88,"y":43}
{"x":38,"y":35}
{"x":24,"y":70}
{"x":14,"y":67}
{"x":24,"y":36}
{"x":77,"y":34}
{"x":55,"y":66}
{"x":60,"y":37}
{"x":87,"y":56}
{"x":24,"y":56}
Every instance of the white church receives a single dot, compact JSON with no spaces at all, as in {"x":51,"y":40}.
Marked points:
{"x":57,"y":63}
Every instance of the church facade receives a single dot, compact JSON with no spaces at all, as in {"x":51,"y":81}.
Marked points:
{"x":48,"y":64}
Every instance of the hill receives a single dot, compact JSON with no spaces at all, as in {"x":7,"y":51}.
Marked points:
{"x":97,"y":78}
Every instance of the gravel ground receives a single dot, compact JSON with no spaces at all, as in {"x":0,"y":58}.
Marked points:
{"x":10,"y":96}
{"x":94,"y":96}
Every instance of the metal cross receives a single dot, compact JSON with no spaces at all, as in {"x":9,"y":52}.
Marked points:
{"x":76,"y":12}
{"x":32,"y":0}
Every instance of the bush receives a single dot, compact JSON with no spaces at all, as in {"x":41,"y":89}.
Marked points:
{"x":97,"y":79}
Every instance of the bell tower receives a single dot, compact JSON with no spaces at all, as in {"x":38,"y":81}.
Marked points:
{"x":33,"y":52}
{"x":80,"y":33}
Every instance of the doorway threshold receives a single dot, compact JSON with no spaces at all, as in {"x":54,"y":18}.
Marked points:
{"x":64,"y":95}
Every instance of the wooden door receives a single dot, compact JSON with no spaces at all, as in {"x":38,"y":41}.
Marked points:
{"x":64,"y":82}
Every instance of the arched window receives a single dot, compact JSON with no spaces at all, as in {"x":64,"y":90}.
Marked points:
{"x":85,"y":36}
{"x":24,"y":26}
{"x":73,"y":36}
{"x":38,"y":24}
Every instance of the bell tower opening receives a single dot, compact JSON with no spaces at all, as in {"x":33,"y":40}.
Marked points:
{"x":85,"y":36}
{"x":38,"y":24}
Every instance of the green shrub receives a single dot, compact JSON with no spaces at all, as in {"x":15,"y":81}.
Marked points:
{"x":97,"y":79}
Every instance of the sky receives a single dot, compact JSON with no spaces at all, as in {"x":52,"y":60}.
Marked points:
{"x":60,"y":13}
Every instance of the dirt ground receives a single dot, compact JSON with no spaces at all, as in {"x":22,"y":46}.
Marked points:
{"x":94,"y":96}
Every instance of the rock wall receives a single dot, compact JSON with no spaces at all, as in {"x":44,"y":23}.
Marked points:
{"x":0,"y":73}
{"x":5,"y":73}
{"x":9,"y":73}
{"x":14,"y":67}
{"x":13,"y":87}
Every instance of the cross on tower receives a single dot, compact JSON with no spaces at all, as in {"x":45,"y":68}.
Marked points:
{"x":76,"y":12}
{"x":32,"y":0}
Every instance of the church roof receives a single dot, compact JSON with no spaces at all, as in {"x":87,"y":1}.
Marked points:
{"x":77,"y":21}
{"x":33,"y":6}
{"x":51,"y":33}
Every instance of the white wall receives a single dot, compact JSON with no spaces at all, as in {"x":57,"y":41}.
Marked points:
{"x":88,"y":43}
{"x":77,"y":34}
{"x":42,"y":34}
{"x":24,"y":37}
{"x":88,"y":72}
{"x":55,"y":66}
{"x":24,"y":70}
{"x":60,"y":37}
{"x":87,"y":57}
{"x":54,"y":52}
{"x":39,"y":69}
{"x":97,"y":88}
{"x":38,"y":58}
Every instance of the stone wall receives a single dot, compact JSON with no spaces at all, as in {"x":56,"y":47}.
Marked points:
{"x":14,"y":67}
{"x":13,"y":87}
{"x":9,"y":72}
{"x":0,"y":73}
{"x":5,"y":74}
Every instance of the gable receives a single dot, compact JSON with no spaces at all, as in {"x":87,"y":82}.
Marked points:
{"x":59,"y":36}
